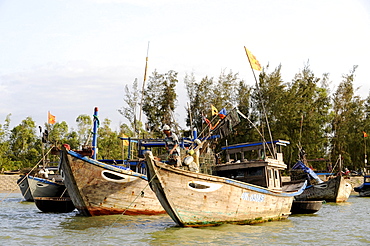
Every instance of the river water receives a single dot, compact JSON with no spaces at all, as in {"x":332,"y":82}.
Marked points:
{"x":21,"y":223}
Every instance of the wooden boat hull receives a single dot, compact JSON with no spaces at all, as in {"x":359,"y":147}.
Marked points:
{"x":195,"y":199}
{"x":306,"y":207}
{"x":41,"y":187}
{"x":54,"y":204}
{"x":97,"y":188}
{"x":25,"y":188}
{"x":333,"y":190}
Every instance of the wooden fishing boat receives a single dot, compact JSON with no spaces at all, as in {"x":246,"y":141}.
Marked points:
{"x":335,"y":189}
{"x":195,"y":199}
{"x":54,"y":204}
{"x":97,"y":188}
{"x":42,"y":187}
{"x":364,"y":189}
{"x":22,"y":183}
{"x":34,"y":186}
{"x":305,"y":207}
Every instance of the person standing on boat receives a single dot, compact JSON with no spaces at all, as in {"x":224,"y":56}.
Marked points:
{"x":172,"y":146}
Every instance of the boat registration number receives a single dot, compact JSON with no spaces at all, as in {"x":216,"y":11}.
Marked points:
{"x":252,"y":197}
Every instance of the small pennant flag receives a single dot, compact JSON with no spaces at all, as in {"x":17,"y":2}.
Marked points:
{"x":214,"y":110}
{"x":222,"y":113}
{"x":51,"y":118}
{"x":365,"y":134}
{"x":253,"y":61}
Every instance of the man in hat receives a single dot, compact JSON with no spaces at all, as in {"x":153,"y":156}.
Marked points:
{"x":172,"y":146}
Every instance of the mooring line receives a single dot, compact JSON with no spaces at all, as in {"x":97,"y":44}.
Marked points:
{"x":121,"y":215}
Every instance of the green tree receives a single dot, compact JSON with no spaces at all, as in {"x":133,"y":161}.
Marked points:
{"x":109,"y":145}
{"x":84,"y":129}
{"x":304,"y":115}
{"x":200,"y":96}
{"x":129,"y":111}
{"x":24,"y":145}
{"x":5,"y":161}
{"x":348,"y":123}
{"x":159,"y":100}
{"x":58,"y":133}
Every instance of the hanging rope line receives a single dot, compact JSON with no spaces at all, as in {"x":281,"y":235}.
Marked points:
{"x":121,"y":215}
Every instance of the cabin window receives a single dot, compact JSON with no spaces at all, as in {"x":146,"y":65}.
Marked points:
{"x":255,"y":171}
{"x":239,"y":174}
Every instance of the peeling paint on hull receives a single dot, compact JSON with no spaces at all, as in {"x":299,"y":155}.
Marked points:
{"x":95,"y":193}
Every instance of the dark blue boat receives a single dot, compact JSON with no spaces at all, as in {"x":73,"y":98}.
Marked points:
{"x":364,"y":189}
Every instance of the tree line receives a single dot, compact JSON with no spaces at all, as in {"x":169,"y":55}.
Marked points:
{"x":303,"y":111}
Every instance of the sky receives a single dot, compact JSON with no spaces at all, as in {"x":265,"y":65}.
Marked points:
{"x":70,"y":56}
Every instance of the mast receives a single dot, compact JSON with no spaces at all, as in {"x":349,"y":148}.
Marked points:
{"x":259,"y":94}
{"x":95,"y":133}
{"x":142,"y":90}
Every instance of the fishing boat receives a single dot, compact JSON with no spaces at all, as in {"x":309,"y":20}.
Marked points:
{"x":306,"y":207}
{"x":248,"y":192}
{"x":45,"y":187}
{"x":334,"y":189}
{"x":97,"y":188}
{"x":364,"y":189}
{"x":22,"y":183}
{"x":54,"y":204}
{"x":45,"y":184}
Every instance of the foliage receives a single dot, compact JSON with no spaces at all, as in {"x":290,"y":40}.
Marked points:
{"x":109,"y":145}
{"x":302,"y":111}
{"x":348,"y":123}
{"x":84,"y":129}
{"x":159,"y":100}
{"x":131,"y":100}
{"x":23,"y":143}
{"x":5,"y":161}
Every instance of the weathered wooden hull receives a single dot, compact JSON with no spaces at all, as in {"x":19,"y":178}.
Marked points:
{"x":333,"y":190}
{"x":195,"y":199}
{"x":54,"y":204}
{"x":97,"y":188}
{"x":25,"y":188}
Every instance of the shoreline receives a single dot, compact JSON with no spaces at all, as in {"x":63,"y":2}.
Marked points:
{"x":8,"y":183}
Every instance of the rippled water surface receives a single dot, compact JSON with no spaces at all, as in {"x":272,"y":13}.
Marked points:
{"x":21,"y":223}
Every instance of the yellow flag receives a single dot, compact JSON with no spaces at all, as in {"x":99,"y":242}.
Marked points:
{"x":125,"y":142}
{"x":214,"y":110}
{"x":252,"y":59}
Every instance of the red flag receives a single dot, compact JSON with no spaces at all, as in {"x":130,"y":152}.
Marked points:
{"x":365,"y":134}
{"x":51,"y":118}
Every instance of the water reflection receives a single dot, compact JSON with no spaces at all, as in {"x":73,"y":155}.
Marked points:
{"x":21,"y":223}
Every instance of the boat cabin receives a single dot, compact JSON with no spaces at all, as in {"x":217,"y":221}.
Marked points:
{"x":248,"y":162}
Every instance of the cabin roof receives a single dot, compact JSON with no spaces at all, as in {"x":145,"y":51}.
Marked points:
{"x":249,"y":164}
{"x":253,"y":145}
